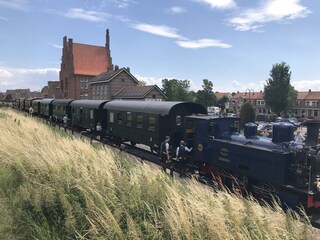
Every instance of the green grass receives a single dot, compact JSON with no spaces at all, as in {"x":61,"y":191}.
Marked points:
{"x":56,"y":186}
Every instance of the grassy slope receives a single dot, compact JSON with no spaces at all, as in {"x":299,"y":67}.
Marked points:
{"x":55,"y":186}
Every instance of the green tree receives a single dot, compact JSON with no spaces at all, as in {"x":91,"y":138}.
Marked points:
{"x":247,"y":114}
{"x":176,"y":90}
{"x":292,"y":98}
{"x":221,"y":102}
{"x":277,"y":90}
{"x":142,"y":83}
{"x":206,"y":96}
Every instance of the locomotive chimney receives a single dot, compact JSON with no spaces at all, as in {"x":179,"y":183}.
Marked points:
{"x":312,"y":132}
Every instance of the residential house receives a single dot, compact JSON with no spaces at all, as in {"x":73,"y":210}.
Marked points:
{"x":18,"y":93}
{"x":307,"y":105}
{"x":255,"y":98}
{"x":146,"y":93}
{"x":108,"y":83}
{"x":54,"y":90}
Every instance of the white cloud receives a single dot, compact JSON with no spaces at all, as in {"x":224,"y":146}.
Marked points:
{"x":118,"y":3}
{"x":203,"y":43}
{"x":150,"y":80}
{"x":170,"y":32}
{"x":34,"y":78}
{"x":92,"y":16}
{"x":269,"y":11}
{"x":158,"y":81}
{"x":176,"y":10}
{"x":160,"y":30}
{"x":220,"y":4}
{"x":305,"y":85}
{"x":124,"y":3}
{"x":5,"y":74}
{"x":21,"y":5}
{"x":3,"y":18}
{"x":56,"y":45}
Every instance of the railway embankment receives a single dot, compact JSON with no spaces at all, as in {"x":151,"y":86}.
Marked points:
{"x":58,"y":186}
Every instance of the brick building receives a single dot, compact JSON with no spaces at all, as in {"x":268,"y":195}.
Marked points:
{"x":120,"y":84}
{"x":255,"y":98}
{"x":307,"y":105}
{"x":146,"y":93}
{"x":108,"y":83}
{"x":54,"y":90}
{"x":80,"y":63}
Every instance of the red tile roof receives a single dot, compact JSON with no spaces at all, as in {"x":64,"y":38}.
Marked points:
{"x":89,"y":60}
{"x":220,"y":94}
{"x":244,"y":95}
{"x":302,"y":95}
{"x":313,"y":96}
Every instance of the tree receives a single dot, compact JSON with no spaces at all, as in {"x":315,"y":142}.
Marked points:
{"x":277,"y":90}
{"x":176,"y":90}
{"x":247,"y":114}
{"x":206,"y":96}
{"x":292,"y":98}
{"x":142,"y":83}
{"x":221,"y":102}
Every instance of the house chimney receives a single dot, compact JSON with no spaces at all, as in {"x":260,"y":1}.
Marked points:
{"x":107,"y":40}
{"x":116,"y":67}
{"x":128,"y":69}
{"x":70,"y":45}
{"x":309,"y":90}
{"x":64,"y":41}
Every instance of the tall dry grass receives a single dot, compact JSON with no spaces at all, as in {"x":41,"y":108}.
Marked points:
{"x":56,"y":186}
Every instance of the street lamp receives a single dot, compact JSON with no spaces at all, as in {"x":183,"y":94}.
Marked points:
{"x":249,"y":91}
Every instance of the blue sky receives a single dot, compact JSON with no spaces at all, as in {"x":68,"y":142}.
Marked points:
{"x":232,"y":43}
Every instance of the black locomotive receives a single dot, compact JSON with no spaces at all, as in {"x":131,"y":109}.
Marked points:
{"x":266,"y":167}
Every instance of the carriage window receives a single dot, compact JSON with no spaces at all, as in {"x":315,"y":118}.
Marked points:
{"x":139,"y":121}
{"x":152,"y":123}
{"x":111,"y":118}
{"x":81,"y":111}
{"x":129,"y":119}
{"x":178,"y":120}
{"x":91,"y":114}
{"x":119,"y":118}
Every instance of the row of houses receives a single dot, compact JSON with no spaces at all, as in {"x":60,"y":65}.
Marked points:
{"x":306,"y":106}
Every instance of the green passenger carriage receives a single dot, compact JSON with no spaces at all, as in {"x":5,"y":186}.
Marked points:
{"x":148,"y":122}
{"x":86,"y":114}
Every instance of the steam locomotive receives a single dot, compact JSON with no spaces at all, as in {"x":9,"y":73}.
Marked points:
{"x":266,"y":167}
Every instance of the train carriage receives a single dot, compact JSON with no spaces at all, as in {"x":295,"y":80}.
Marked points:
{"x":36,"y":106}
{"x":19,"y":103}
{"x":27,"y":103}
{"x":60,"y":107}
{"x":46,"y":107}
{"x":85,"y":114}
{"x":148,"y":122}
